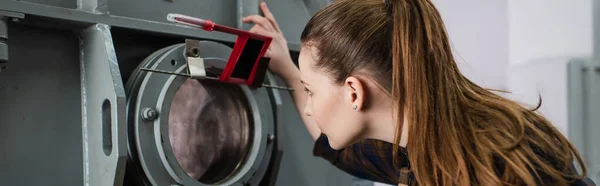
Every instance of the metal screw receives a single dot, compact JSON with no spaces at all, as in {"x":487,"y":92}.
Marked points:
{"x":149,"y":114}
{"x":270,"y":137}
{"x":196,"y":52}
{"x":175,"y":184}
{"x":15,"y":19}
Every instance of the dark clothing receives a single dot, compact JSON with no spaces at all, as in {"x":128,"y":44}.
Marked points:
{"x":373,"y":160}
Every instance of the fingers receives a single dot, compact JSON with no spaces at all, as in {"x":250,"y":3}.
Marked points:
{"x":259,"y":20}
{"x":261,"y":30}
{"x":269,"y":15}
{"x":268,"y":53}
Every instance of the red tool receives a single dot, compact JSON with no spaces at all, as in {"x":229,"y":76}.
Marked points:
{"x":246,"y":64}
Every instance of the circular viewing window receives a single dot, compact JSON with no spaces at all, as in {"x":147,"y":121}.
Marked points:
{"x":209,"y":129}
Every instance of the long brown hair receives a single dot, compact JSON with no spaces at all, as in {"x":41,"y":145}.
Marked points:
{"x":459,"y":133}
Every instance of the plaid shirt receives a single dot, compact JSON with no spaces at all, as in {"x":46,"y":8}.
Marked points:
{"x":373,"y":160}
{"x":368,"y":159}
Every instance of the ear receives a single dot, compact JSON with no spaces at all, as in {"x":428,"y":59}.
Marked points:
{"x":355,"y":93}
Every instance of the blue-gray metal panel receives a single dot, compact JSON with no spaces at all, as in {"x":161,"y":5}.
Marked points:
{"x":3,"y":39}
{"x":313,"y":6}
{"x":94,"y":6}
{"x":292,"y":16}
{"x":103,"y":108}
{"x":84,"y":17}
{"x":58,"y":3}
{"x":576,"y":102}
{"x":246,"y":8}
{"x":583,"y":105}
{"x":3,"y":52}
{"x":223,"y":12}
{"x":79,"y":16}
{"x":596,"y":30}
{"x":3,"y":33}
{"x":592,"y":124}
{"x":40,"y":109}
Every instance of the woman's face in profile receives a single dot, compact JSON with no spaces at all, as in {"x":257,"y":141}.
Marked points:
{"x":328,"y":103}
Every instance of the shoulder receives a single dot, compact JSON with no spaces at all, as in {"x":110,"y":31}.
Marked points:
{"x":368,"y":159}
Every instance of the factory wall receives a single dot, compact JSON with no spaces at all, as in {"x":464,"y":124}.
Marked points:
{"x":549,"y":28}
{"x":544,"y":35}
{"x":479,"y":34}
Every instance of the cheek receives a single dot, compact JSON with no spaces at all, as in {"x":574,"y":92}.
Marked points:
{"x":323,"y":110}
{"x":337,"y":122}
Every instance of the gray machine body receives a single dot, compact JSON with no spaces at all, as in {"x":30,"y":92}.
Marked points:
{"x":60,"y":60}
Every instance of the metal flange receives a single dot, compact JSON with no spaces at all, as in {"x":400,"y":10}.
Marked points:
{"x":150,"y":152}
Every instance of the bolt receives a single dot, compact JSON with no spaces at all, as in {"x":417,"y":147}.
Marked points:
{"x":149,"y":114}
{"x":193,"y":52}
{"x":270,"y":137}
{"x":15,"y":19}
{"x":196,"y":52}
{"x":175,"y":184}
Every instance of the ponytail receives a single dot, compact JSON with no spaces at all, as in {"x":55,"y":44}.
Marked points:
{"x":459,"y":131}
{"x":418,"y":84}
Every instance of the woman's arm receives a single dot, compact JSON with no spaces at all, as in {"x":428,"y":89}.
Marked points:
{"x":282,"y":64}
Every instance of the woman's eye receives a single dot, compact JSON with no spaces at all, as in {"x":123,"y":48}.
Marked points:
{"x":307,"y":91}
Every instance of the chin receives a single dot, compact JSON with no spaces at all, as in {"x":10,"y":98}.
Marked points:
{"x":334,"y":144}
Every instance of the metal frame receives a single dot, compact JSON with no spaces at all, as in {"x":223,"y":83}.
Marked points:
{"x":576,"y":100}
{"x":156,"y":158}
{"x":584,"y":103}
{"x":277,"y":139}
{"x":591,"y":126}
{"x":3,"y":40}
{"x":245,"y":8}
{"x":103,"y":109}
{"x":596,"y":30}
{"x":94,"y":11}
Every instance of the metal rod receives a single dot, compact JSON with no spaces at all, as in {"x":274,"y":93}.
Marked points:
{"x":277,"y":87}
{"x":165,"y":72}
{"x":213,"y":78}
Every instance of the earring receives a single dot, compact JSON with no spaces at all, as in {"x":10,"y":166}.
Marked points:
{"x":355,"y":107}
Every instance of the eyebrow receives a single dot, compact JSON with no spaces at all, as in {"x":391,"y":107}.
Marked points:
{"x":304,"y":82}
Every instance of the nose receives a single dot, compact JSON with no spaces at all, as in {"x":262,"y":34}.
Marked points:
{"x":308,"y":108}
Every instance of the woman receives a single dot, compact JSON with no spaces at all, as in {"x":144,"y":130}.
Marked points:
{"x":385,"y":101}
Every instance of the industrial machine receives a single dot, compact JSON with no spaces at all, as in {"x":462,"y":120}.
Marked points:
{"x":78,"y":108}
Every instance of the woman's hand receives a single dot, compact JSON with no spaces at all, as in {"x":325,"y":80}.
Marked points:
{"x":281,"y":62}
{"x":278,"y":51}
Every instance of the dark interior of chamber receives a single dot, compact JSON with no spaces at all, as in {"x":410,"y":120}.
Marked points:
{"x":209,"y":129}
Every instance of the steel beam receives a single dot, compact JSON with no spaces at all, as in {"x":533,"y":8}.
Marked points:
{"x":83,"y":16}
{"x":93,"y":6}
{"x":576,"y":102}
{"x":3,"y":41}
{"x":103,"y":109}
{"x":596,"y":30}
{"x":246,"y":8}
{"x":591,"y":126}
